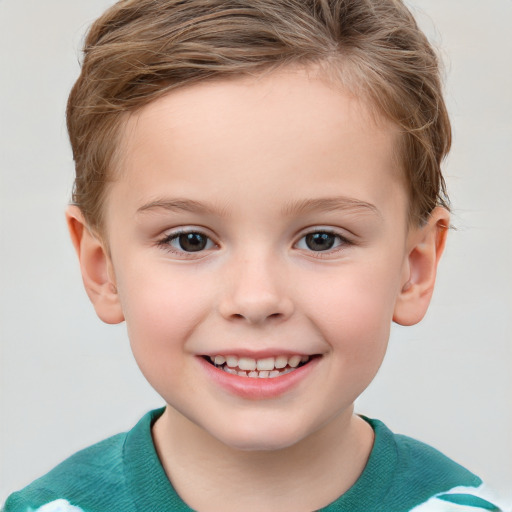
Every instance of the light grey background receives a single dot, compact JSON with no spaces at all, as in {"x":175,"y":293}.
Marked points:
{"x":67,"y":380}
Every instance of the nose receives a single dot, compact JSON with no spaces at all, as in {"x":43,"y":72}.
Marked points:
{"x":256,"y":291}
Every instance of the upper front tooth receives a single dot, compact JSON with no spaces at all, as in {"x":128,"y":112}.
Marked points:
{"x":281,"y":362}
{"x":246,"y":363}
{"x":294,"y":361}
{"x":265,"y":364}
{"x":232,"y":361}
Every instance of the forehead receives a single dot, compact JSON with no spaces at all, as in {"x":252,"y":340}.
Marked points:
{"x":291,"y":126}
{"x":291,"y":94}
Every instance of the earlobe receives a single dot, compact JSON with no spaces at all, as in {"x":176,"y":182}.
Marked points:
{"x":426,"y":246}
{"x":96,"y":267}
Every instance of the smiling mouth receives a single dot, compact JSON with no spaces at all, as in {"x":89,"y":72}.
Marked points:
{"x":265,"y":368}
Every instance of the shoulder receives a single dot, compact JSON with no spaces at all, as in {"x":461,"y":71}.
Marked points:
{"x":96,"y":478}
{"x":419,"y":463}
{"x":422,"y":479}
{"x":452,"y":488}
{"x":409,"y":463}
{"x":405,"y":475}
{"x":98,"y":466}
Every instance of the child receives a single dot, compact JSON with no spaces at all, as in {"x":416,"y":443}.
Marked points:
{"x":258,"y":195}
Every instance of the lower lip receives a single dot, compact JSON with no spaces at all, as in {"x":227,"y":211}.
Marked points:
{"x":258,"y":389}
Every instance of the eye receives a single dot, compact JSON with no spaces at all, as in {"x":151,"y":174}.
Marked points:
{"x":321,"y":241}
{"x":191,"y":241}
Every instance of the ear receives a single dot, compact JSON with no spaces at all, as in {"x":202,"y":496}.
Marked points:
{"x":425,"y":247}
{"x":96,"y":267}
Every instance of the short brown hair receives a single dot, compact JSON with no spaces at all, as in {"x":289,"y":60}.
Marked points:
{"x":139,"y":50}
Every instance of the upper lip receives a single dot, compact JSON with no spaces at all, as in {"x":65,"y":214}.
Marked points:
{"x":258,"y":354}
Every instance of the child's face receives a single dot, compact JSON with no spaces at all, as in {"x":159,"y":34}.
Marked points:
{"x":259,"y":218}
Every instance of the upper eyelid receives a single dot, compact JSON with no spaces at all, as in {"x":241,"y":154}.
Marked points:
{"x":332,"y":233}
{"x":345,"y":242}
{"x":173,"y":233}
{"x":165,"y":239}
{"x":344,"y":234}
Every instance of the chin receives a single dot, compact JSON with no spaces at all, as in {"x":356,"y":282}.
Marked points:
{"x":256,"y":437}
{"x":259,"y":444}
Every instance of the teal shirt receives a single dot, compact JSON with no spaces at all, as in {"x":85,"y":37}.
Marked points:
{"x":123,"y":474}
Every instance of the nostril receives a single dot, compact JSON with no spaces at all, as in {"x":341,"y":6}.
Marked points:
{"x":251,"y":318}
{"x":254,"y":308}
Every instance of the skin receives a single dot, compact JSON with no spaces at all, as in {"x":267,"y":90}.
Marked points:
{"x":255,"y":165}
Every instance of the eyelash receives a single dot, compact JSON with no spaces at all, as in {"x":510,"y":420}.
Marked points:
{"x":342,"y":242}
{"x":165,"y":242}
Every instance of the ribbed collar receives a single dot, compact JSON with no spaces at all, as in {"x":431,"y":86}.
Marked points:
{"x":145,"y":476}
{"x":371,"y":488}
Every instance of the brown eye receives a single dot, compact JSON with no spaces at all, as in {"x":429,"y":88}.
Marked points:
{"x":320,"y":241}
{"x":187,"y":242}
{"x":192,"y":242}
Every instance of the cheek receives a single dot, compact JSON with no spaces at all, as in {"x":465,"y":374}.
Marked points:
{"x":353,"y":307}
{"x":161,"y":310}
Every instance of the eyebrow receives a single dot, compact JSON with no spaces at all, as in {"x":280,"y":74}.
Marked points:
{"x":330,"y":204}
{"x":179,"y":205}
{"x":303,"y":206}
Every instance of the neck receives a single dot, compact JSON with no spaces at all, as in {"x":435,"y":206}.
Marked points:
{"x":305,"y":476}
